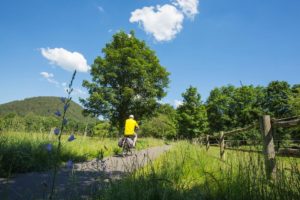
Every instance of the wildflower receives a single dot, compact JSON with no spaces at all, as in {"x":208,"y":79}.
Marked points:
{"x":56,"y":131}
{"x":57,"y":113}
{"x":66,"y":106}
{"x":69,"y":164}
{"x":63,"y":99}
{"x":65,"y":121}
{"x":49,"y":147}
{"x":71,"y":138}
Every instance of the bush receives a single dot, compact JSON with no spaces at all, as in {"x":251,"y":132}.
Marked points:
{"x":117,"y":150}
{"x":161,"y":127}
{"x":101,"y":129}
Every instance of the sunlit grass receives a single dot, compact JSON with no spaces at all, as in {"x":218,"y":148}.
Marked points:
{"x":189,"y":172}
{"x":23,"y":152}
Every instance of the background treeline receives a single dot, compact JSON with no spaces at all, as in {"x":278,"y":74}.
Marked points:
{"x":226,"y":108}
{"x":34,"y":123}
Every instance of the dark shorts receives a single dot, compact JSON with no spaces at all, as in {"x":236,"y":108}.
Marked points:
{"x":131,"y":136}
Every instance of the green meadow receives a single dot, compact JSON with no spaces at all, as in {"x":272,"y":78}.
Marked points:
{"x":25,"y":152}
{"x":190,"y":172}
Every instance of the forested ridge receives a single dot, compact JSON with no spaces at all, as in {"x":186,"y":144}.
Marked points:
{"x":37,"y":114}
{"x":43,"y":106}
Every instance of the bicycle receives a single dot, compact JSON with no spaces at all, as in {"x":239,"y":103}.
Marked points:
{"x":127,"y":146}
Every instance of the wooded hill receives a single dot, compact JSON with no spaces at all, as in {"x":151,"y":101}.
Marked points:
{"x":44,"y":106}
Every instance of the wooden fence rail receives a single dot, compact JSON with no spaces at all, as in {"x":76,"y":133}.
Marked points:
{"x":267,"y":128}
{"x":285,"y":119}
{"x":240,"y":130}
{"x":290,"y":123}
{"x":207,"y":142}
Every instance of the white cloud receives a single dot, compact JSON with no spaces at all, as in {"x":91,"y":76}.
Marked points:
{"x":47,"y":75}
{"x":188,"y":7}
{"x":163,"y":22}
{"x":79,"y":91}
{"x":76,"y":91}
{"x":49,"y":78}
{"x":67,"y":60}
{"x":177,"y":103}
{"x":53,"y":81}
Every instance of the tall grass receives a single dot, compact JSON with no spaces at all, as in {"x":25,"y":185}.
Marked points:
{"x":189,"y":172}
{"x":25,"y":152}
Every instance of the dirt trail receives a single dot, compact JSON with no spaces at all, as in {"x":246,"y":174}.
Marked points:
{"x":80,"y":183}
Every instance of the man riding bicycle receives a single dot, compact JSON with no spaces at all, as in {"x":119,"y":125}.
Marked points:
{"x":130,"y":126}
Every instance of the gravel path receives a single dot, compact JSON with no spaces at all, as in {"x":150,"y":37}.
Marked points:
{"x":79,"y":183}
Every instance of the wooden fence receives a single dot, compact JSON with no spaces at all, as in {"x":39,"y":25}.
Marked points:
{"x":268,"y":128}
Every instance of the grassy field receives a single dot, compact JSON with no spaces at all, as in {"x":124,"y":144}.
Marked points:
{"x":25,"y":152}
{"x":189,"y":172}
{"x":185,"y":172}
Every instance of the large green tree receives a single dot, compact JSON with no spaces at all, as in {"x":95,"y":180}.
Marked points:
{"x":220,"y":108}
{"x":294,"y":100}
{"x":163,"y":124}
{"x":192,"y":116}
{"x":277,"y":96}
{"x":127,"y":79}
{"x":230,"y":107}
{"x":247,"y":105}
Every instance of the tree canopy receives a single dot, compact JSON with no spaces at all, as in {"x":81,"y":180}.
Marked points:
{"x":277,"y":98}
{"x":192,"y":116}
{"x":128,"y":79}
{"x":294,"y":100}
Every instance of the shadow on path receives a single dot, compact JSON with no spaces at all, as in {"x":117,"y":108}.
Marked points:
{"x":81,"y":182}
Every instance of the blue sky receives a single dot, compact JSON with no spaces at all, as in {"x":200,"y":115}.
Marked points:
{"x":206,"y":43}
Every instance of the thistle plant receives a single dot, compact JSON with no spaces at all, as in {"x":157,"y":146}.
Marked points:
{"x":58,"y":131}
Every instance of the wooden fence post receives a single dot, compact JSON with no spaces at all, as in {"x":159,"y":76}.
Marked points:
{"x":268,"y":146}
{"x":85,"y":131}
{"x":222,"y":146}
{"x":200,"y":141}
{"x":207,"y":142}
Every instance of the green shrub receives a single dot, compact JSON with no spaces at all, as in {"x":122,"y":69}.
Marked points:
{"x":117,"y":150}
{"x":161,"y":127}
{"x":101,"y":129}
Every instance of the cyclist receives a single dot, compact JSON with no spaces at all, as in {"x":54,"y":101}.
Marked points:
{"x":130,"y":126}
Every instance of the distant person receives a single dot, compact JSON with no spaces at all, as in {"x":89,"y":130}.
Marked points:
{"x":130,"y":126}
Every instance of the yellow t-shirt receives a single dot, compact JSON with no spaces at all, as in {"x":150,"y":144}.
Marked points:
{"x":130,"y":125}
